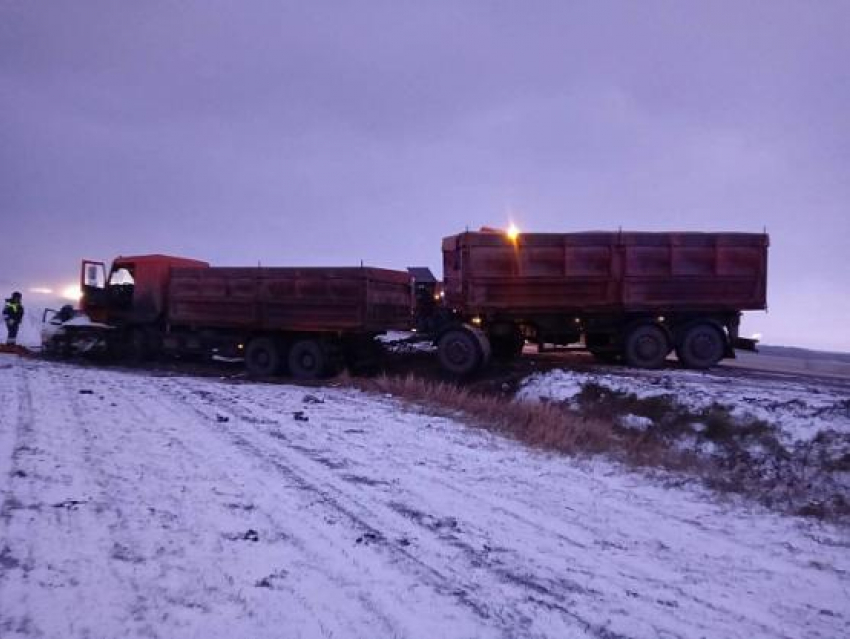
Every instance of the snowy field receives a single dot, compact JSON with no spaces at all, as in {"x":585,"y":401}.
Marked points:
{"x":160,"y":506}
{"x":799,"y":407}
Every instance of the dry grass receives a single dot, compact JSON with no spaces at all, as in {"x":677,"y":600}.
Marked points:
{"x":542,"y":425}
{"x":780,"y":480}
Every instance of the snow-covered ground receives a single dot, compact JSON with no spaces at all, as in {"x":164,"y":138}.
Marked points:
{"x":155,"y":506}
{"x":800,"y":407}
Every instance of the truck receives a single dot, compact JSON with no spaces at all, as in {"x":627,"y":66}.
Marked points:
{"x":304,"y":321}
{"x":625,"y":296}
{"x":633,"y":297}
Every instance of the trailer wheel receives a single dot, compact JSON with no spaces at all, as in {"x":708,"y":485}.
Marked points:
{"x":646,"y":346}
{"x":307,"y":359}
{"x":702,"y":346}
{"x":262,"y":357}
{"x":460,"y":351}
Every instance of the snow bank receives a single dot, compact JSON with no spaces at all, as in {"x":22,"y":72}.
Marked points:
{"x":799,"y":408}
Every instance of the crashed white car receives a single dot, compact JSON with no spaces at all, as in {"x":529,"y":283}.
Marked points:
{"x":69,"y":331}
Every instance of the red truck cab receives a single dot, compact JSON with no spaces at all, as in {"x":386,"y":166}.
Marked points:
{"x":133,"y":291}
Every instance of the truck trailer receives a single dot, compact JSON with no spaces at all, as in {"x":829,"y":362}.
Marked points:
{"x":628,"y":296}
{"x":304,"y":321}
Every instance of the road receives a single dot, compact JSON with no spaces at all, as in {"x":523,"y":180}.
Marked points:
{"x":158,"y":505}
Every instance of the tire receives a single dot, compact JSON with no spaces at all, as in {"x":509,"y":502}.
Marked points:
{"x":646,"y":346}
{"x":262,"y":357}
{"x":702,"y":346}
{"x":460,"y":352}
{"x":308,"y":359}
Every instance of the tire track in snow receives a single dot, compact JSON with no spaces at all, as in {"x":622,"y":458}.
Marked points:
{"x":376,"y":518}
{"x":66,"y":509}
{"x":425,"y":574}
{"x":544,"y":589}
{"x":155,"y":593}
{"x":379,"y":619}
{"x":16,"y":561}
{"x":667,"y":593}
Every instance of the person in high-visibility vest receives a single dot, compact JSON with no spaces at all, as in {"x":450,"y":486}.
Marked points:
{"x":13,"y":313}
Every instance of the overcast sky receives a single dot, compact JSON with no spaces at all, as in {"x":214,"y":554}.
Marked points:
{"x":329,"y":132}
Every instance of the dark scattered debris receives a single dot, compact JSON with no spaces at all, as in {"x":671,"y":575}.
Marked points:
{"x":221,"y":418}
{"x":437,"y":524}
{"x":7,"y":561}
{"x":70,"y":504}
{"x":242,"y":507}
{"x":369,"y":537}
{"x":299,"y":416}
{"x":248,"y":535}
{"x":86,"y":391}
{"x":269,"y":580}
{"x":120,"y":552}
{"x":312,"y":399}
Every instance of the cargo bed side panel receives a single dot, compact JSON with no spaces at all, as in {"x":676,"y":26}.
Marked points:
{"x":604,"y":272}
{"x":291,"y":299}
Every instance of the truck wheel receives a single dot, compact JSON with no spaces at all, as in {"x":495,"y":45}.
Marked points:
{"x":702,"y":346}
{"x":646,"y":347}
{"x":307,"y":359}
{"x":262,"y":357}
{"x":460,"y":352}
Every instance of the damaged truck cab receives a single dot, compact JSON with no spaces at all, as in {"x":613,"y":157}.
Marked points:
{"x":133,"y":291}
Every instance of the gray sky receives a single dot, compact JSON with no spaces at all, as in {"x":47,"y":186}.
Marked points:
{"x":327,"y":132}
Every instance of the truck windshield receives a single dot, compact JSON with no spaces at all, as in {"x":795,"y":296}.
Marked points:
{"x":121,"y":277}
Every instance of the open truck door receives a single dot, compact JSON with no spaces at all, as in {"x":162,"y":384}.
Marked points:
{"x":94,"y":300}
